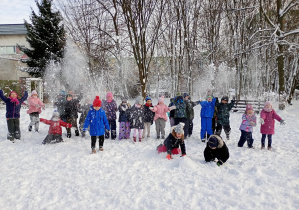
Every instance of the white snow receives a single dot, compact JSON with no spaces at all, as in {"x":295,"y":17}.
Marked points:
{"x":130,"y":175}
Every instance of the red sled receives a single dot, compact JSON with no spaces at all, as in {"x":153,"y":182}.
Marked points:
{"x":162,"y":148}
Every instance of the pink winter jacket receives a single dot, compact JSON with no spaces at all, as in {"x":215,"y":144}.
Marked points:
{"x":32,"y":105}
{"x":160,"y":111}
{"x":269,"y":118}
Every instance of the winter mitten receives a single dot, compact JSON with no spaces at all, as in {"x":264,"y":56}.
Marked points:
{"x":36,"y":105}
{"x":106,"y":130}
{"x":83,"y":133}
{"x":172,"y":107}
{"x":282,"y":122}
{"x":151,"y":108}
{"x":43,"y":107}
{"x":169,"y":157}
{"x":219,"y":163}
{"x":262,"y":121}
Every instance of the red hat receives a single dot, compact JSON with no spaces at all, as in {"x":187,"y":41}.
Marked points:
{"x":97,"y":102}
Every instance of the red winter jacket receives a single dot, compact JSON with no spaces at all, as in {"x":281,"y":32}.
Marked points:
{"x":55,"y":126}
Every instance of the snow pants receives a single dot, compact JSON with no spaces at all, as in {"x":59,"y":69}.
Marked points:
{"x":147,"y":127}
{"x":52,"y":138}
{"x":124,"y":130}
{"x":112,"y":124}
{"x":160,"y":128}
{"x":94,"y":140}
{"x":34,"y":121}
{"x":269,"y":139}
{"x":13,"y":125}
{"x":226,"y":129}
{"x":72,"y":121}
{"x":190,"y":128}
{"x":245,"y":136}
{"x":206,"y":127}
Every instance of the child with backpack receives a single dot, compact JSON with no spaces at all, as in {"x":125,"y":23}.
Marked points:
{"x":35,"y":108}
{"x":246,"y":128}
{"x":13,"y":106}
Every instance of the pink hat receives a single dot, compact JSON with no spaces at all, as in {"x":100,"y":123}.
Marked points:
{"x":249,"y":107}
{"x":33,"y":92}
{"x":109,"y":94}
{"x":161,"y":99}
{"x":268,"y":103}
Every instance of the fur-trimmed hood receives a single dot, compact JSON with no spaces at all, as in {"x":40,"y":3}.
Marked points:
{"x":220,"y":141}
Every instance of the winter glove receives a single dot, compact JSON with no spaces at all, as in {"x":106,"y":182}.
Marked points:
{"x":262,"y":121}
{"x":36,"y":105}
{"x":151,"y":108}
{"x":219,"y":163}
{"x":83,"y":133}
{"x":172,"y":107}
{"x":43,"y":107}
{"x":169,"y":157}
{"x":282,"y":122}
{"x":106,"y":131}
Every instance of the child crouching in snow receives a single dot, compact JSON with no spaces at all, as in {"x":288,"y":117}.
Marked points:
{"x":174,"y":140}
{"x":55,"y":130}
{"x":268,"y":117}
{"x":98,"y":122}
{"x":246,"y":128}
{"x":216,"y":148}
{"x":35,"y":108}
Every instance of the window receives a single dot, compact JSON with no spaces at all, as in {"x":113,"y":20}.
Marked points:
{"x":7,"y":50}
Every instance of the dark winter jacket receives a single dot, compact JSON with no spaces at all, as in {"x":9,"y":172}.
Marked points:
{"x":55,"y":126}
{"x":180,"y":111}
{"x":12,"y":109}
{"x":123,"y":113}
{"x":172,"y":142}
{"x":71,"y":109}
{"x":207,"y":108}
{"x":172,"y":112}
{"x":189,"y":108}
{"x":148,"y":114}
{"x":84,"y":109}
{"x":98,"y":122}
{"x":221,"y":152}
{"x":110,"y":109}
{"x":223,"y":112}
{"x":136,"y":117}
{"x":60,"y":103}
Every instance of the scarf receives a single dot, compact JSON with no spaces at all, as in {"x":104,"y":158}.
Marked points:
{"x":14,"y":100}
{"x":268,"y":109}
{"x":149,"y":105}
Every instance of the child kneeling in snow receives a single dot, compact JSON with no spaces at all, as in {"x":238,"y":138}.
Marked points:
{"x":55,"y":130}
{"x":174,"y":140}
{"x":216,"y":148}
{"x":98,"y":122}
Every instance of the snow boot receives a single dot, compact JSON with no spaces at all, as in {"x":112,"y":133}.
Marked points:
{"x":269,"y":148}
{"x":29,"y":128}
{"x":203,"y":140}
{"x":101,"y":149}
{"x":93,"y":150}
{"x":68,"y":135}
{"x":263,"y":147}
{"x":140,"y":139}
{"x":134,"y":138}
{"x":76,"y":132}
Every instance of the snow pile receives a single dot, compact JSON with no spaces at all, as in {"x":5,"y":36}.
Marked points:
{"x":130,"y":175}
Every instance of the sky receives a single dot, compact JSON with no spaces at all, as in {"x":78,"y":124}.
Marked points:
{"x":15,"y":11}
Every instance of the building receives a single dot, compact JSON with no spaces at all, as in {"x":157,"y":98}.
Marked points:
{"x":12,"y":35}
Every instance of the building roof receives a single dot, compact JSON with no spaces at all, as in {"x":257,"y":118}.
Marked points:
{"x":6,"y":29}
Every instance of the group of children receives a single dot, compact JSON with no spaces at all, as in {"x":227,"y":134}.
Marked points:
{"x":100,"y":119}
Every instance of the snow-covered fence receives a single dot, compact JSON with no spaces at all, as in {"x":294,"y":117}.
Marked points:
{"x":240,"y":105}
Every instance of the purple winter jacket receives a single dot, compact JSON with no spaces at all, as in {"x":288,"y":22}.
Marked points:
{"x":248,"y":123}
{"x":110,"y":109}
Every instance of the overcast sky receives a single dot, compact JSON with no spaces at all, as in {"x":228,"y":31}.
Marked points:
{"x":15,"y":11}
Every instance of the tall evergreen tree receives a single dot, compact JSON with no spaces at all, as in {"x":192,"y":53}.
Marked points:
{"x":46,"y":36}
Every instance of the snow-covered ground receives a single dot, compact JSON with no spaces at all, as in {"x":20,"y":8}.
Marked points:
{"x":130,"y":175}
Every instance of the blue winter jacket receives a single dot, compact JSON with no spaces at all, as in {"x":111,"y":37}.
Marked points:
{"x":13,"y":110}
{"x":207,"y":108}
{"x":98,"y":122}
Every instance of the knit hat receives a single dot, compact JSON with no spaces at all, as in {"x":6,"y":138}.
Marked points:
{"x":109,"y":94}
{"x":34,"y":92}
{"x":139,"y":100}
{"x":147,"y":98}
{"x":161,"y":99}
{"x":55,"y":116}
{"x":268,"y":103}
{"x":179,"y":128}
{"x":213,"y":142}
{"x":185,"y":94}
{"x":224,"y":98}
{"x":249,"y":107}
{"x":13,"y":92}
{"x":97,"y":102}
{"x":209,"y":96}
{"x":62,"y":93}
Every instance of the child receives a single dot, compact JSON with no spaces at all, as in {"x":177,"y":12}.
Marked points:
{"x":148,"y":117}
{"x":246,"y":128}
{"x":98,"y":122}
{"x":206,"y":114}
{"x":13,"y":106}
{"x":136,"y":118}
{"x":268,"y":117}
{"x":55,"y":130}
{"x":71,"y":114}
{"x":174,"y":140}
{"x":180,"y":114}
{"x":60,"y":103}
{"x":160,"y":116}
{"x":110,"y":108}
{"x":84,"y":109}
{"x":171,"y":113}
{"x":216,"y":148}
{"x":223,"y":110}
{"x":190,"y":113}
{"x":35,"y":105}
{"x":124,"y":124}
